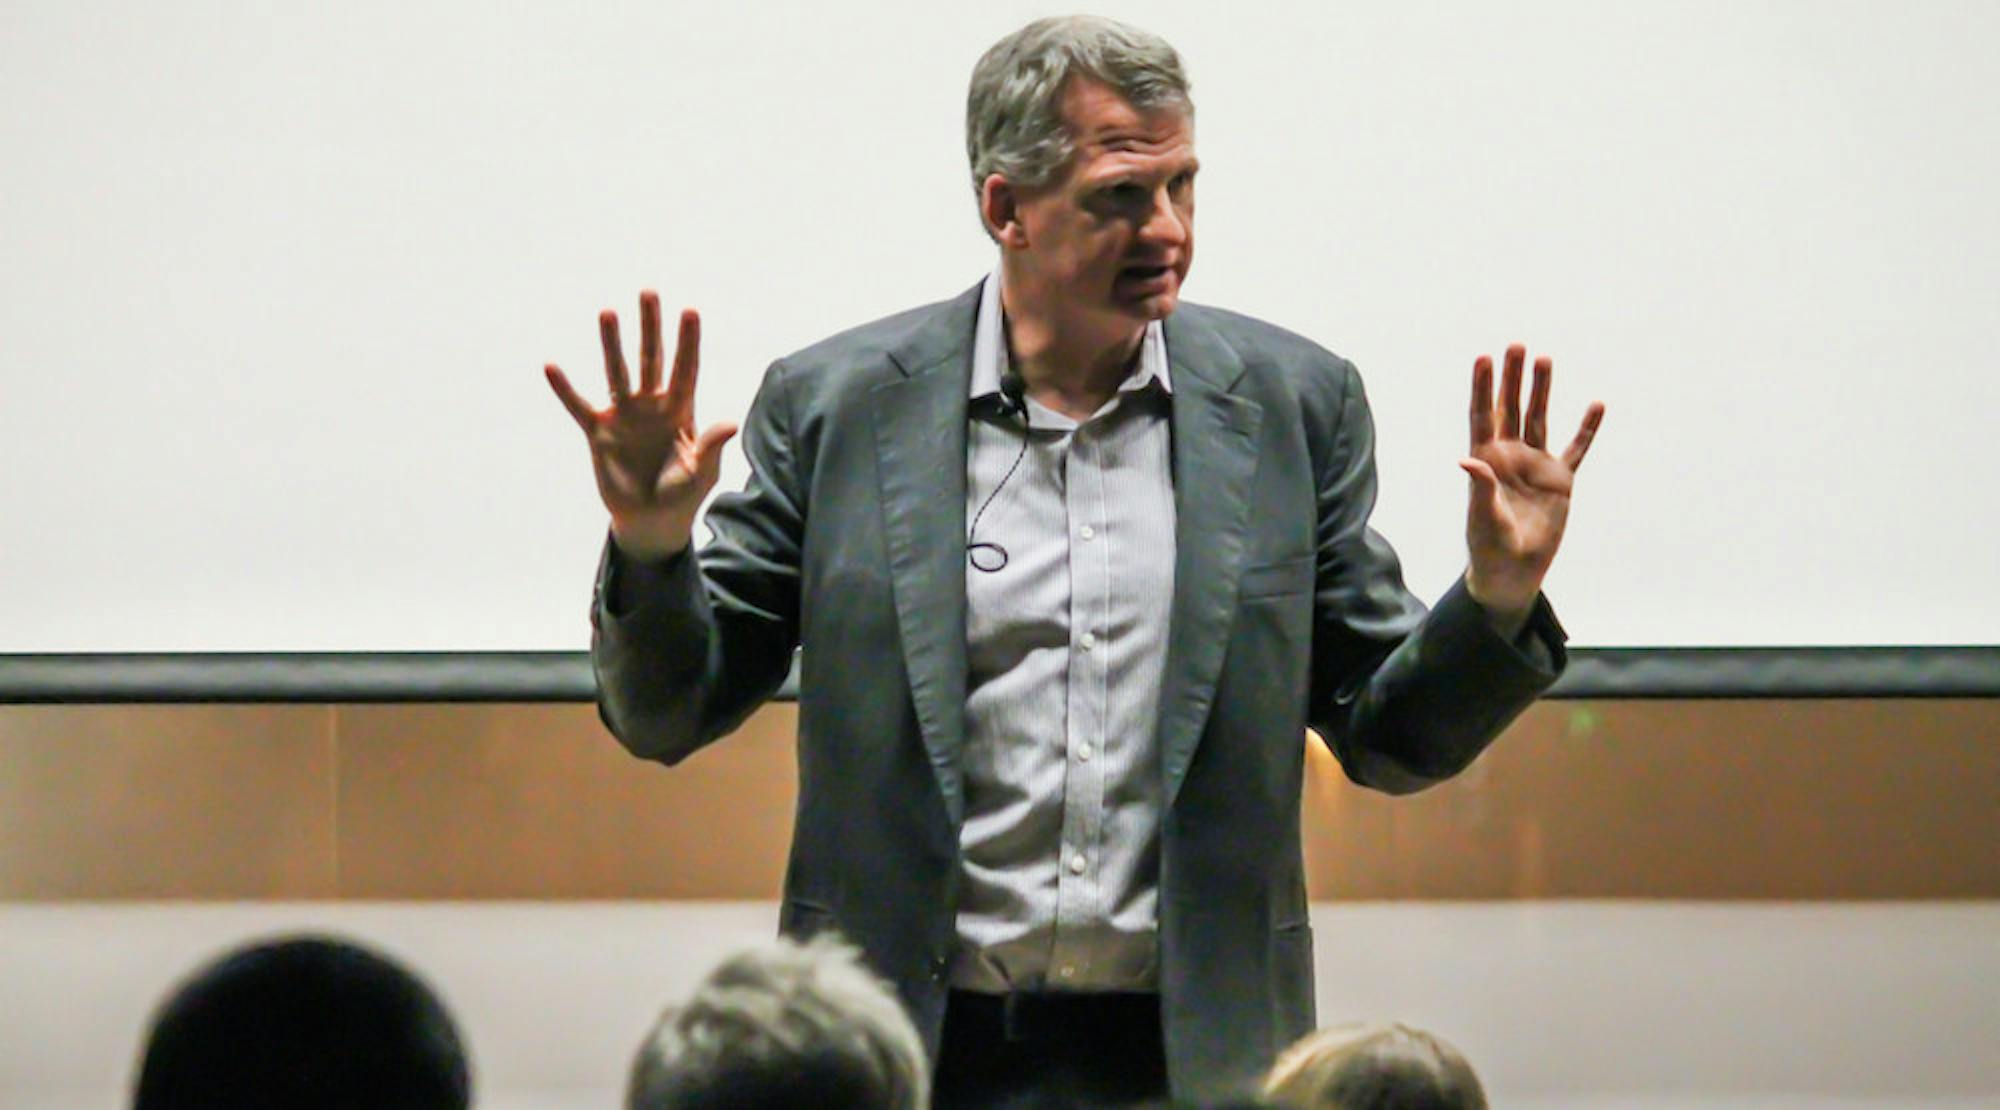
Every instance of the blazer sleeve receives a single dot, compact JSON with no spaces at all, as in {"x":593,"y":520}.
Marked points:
{"x":1405,"y":697}
{"x":683,"y":651}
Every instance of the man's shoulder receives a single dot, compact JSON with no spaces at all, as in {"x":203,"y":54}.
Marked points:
{"x":914,"y":334}
{"x":1268,"y":350}
{"x":1251,"y":335}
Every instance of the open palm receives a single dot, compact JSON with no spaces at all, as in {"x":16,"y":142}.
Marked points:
{"x":1520,"y":492}
{"x":653,"y":468}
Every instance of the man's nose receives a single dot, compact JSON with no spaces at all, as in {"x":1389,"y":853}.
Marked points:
{"x":1164,"y":225}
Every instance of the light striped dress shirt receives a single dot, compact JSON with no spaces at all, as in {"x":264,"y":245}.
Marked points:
{"x":1066,"y":644}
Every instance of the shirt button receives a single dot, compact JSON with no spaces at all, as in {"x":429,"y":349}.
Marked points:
{"x":1077,"y":864}
{"x":1087,"y":532}
{"x":1084,"y":752}
{"x":1089,"y":640}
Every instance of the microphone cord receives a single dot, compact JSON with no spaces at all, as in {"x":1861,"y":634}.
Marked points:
{"x":989,"y":556}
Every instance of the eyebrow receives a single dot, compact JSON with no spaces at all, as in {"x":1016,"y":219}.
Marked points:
{"x":1127,"y":177}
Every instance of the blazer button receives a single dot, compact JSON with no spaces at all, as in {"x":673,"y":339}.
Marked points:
{"x":940,"y":965}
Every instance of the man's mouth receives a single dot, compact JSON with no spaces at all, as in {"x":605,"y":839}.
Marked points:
{"x":1144,"y":274}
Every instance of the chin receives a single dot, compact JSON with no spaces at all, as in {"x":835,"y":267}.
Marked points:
{"x":1153,"y":305}
{"x":1159,"y":306}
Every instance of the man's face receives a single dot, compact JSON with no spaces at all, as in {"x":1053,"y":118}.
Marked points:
{"x":1115,"y":233}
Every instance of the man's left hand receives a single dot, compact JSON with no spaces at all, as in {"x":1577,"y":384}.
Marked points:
{"x":1520,"y":492}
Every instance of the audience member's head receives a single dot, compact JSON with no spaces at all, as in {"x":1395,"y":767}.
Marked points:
{"x":303,"y":1022}
{"x":1373,"y":1067}
{"x":784,"y":1025}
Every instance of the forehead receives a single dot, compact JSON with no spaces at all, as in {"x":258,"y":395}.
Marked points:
{"x":1109,"y":131}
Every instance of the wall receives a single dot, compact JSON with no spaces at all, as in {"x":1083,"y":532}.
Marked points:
{"x":1645,"y":904}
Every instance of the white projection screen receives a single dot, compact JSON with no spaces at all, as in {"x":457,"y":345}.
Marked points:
{"x":277,"y":282}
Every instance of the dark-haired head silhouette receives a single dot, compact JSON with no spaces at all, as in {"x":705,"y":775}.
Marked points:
{"x":304,"y":1023}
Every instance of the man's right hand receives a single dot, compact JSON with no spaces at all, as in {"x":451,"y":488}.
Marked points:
{"x":653,"y":470}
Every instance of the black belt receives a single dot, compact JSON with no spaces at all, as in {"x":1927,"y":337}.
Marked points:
{"x":1047,"y":1015}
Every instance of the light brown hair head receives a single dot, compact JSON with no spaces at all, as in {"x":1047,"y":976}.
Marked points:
{"x":1373,"y":1067}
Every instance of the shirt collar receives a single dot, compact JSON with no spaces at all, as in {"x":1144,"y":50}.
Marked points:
{"x":989,"y":349}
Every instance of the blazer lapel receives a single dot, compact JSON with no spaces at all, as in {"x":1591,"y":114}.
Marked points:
{"x":920,"y":463}
{"x":1215,"y":460}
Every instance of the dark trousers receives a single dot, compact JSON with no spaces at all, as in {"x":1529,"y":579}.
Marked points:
{"x":1035,"y":1050}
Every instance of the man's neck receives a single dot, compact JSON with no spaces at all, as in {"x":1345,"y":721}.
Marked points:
{"x":1071,"y":365}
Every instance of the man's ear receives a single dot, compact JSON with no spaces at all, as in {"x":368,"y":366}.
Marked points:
{"x":999,"y":206}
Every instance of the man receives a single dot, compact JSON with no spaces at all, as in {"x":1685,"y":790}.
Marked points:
{"x":1073,"y":567}
{"x":303,"y":1022}
{"x":784,"y":1025}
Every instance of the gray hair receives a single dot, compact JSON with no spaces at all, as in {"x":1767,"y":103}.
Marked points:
{"x":1013,"y":112}
{"x":784,"y":1024}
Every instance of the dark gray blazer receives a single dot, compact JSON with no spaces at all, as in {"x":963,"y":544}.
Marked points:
{"x":849,"y":542}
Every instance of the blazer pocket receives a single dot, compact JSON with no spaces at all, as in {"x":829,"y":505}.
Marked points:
{"x":1284,"y":578}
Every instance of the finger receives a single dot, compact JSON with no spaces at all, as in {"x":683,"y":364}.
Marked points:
{"x":1482,"y":401}
{"x":1535,"y":431}
{"x":1510,"y":392}
{"x":707,"y":465}
{"x":579,"y":409}
{"x":687,"y":364}
{"x":1585,"y":433}
{"x":614,"y":356}
{"x":650,"y":360}
{"x":1485,"y":487}
{"x":708,"y":450}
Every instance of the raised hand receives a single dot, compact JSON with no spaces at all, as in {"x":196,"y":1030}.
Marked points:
{"x":1520,"y":492}
{"x":653,"y":469}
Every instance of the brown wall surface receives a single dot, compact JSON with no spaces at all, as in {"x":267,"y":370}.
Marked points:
{"x":1639,"y":799}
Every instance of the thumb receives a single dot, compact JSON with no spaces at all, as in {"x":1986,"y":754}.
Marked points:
{"x":1485,"y":485}
{"x":708,"y":452}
